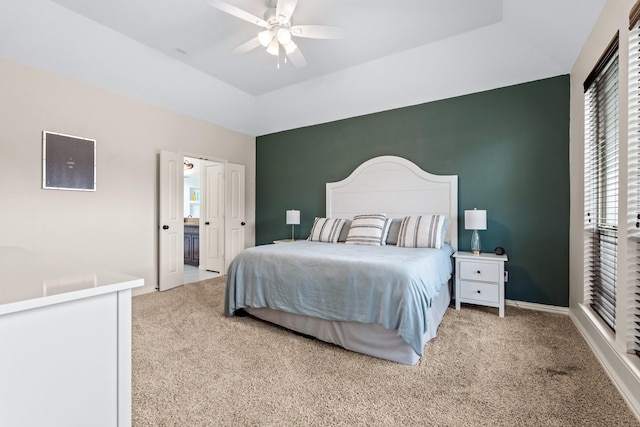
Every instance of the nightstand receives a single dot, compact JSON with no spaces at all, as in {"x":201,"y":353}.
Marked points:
{"x":284,"y":241}
{"x":480,"y":279}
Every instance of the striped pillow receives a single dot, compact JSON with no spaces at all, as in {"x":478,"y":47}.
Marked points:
{"x":425,"y":231}
{"x":367,"y":229}
{"x":326,"y":230}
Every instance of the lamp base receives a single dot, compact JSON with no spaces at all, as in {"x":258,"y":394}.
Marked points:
{"x":475,"y":243}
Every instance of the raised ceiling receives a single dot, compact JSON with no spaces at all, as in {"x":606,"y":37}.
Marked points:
{"x":202,"y":36}
{"x":176,"y":53}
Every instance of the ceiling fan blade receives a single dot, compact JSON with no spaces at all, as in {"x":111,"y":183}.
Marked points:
{"x":247,"y":46}
{"x":297,"y":58}
{"x":237,"y":12}
{"x":284,"y":10}
{"x":318,"y":32}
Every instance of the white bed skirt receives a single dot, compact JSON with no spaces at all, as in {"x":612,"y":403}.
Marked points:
{"x":371,"y":339}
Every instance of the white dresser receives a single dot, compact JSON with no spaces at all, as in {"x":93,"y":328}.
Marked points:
{"x":65,"y":343}
{"x":480,"y":279}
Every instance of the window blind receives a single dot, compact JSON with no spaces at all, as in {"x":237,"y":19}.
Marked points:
{"x":634,"y":171}
{"x":601,"y":183}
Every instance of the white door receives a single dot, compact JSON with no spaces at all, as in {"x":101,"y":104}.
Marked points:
{"x":234,"y":212}
{"x":214,"y":217}
{"x":171,"y":221}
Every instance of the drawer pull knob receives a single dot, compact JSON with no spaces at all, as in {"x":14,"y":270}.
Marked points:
{"x":478,"y":271}
{"x":478,"y":291}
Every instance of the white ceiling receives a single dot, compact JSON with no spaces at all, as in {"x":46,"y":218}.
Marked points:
{"x":176,"y":53}
{"x":208,"y":35}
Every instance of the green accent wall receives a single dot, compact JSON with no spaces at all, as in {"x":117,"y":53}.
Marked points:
{"x":508,"y":146}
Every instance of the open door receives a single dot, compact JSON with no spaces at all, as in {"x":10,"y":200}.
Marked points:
{"x":213,"y":218}
{"x":171,"y":221}
{"x":234,"y":212}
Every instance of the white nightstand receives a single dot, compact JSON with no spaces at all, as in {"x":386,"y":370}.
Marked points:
{"x":284,"y":241}
{"x":480,"y":279}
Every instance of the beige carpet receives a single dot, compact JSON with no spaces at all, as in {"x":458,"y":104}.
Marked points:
{"x":192,"y":366}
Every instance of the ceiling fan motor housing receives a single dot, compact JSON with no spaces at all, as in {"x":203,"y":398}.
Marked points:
{"x":280,"y":30}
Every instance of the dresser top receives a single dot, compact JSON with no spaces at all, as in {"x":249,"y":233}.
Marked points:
{"x":29,"y":280}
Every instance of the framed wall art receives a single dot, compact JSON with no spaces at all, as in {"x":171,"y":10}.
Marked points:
{"x":68,"y":162}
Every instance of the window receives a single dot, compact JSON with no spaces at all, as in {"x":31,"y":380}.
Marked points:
{"x":601,"y":184}
{"x":634,"y":171}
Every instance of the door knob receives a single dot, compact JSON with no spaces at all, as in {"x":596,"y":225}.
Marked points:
{"x":242,"y":223}
{"x":165,"y":227}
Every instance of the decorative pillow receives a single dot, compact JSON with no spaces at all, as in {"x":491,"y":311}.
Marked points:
{"x":445,"y":227}
{"x":326,"y":230}
{"x":394,"y":231}
{"x":345,"y":231}
{"x":385,"y":231}
{"x":367,"y":229}
{"x":424,"y":231}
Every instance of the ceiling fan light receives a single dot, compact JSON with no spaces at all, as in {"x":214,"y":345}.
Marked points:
{"x":290,"y":47}
{"x":284,"y":36}
{"x":265,"y":37}
{"x":274,"y":47}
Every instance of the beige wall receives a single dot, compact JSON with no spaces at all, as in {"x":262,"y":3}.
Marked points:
{"x":611,"y":348}
{"x":114,"y":228}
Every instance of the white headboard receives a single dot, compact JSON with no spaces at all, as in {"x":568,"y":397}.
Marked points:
{"x":397,"y":187}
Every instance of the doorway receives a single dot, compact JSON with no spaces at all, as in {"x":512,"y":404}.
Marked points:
{"x":195,"y":196}
{"x":220,"y":209}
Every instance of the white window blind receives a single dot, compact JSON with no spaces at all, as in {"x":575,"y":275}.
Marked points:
{"x":601,"y":183}
{"x":634,"y":173}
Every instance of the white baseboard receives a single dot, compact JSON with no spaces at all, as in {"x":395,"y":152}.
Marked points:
{"x":623,"y":369}
{"x":143,"y":290}
{"x":538,"y":307}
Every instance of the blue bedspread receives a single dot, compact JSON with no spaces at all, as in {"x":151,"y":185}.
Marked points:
{"x":387,"y":285}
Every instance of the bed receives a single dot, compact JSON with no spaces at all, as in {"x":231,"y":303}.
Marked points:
{"x":385,"y":300}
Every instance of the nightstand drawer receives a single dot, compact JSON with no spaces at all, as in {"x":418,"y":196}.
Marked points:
{"x":487,"y":292}
{"x":487,"y":272}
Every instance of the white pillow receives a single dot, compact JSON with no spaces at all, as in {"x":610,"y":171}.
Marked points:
{"x":326,"y":230}
{"x":424,"y":231}
{"x":367,"y":229}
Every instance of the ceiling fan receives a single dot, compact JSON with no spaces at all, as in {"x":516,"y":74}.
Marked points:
{"x":279,"y":30}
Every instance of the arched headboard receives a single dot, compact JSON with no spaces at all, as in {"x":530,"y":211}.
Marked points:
{"x":397,"y":187}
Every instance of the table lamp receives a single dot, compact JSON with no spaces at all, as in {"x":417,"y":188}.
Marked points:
{"x":293,"y":219}
{"x":475,"y":220}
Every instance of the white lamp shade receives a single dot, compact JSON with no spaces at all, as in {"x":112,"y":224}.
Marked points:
{"x":475,"y":220}
{"x":293,"y":217}
{"x":265,"y":37}
{"x":284,"y":36}
{"x":290,"y":47}
{"x":274,"y":47}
